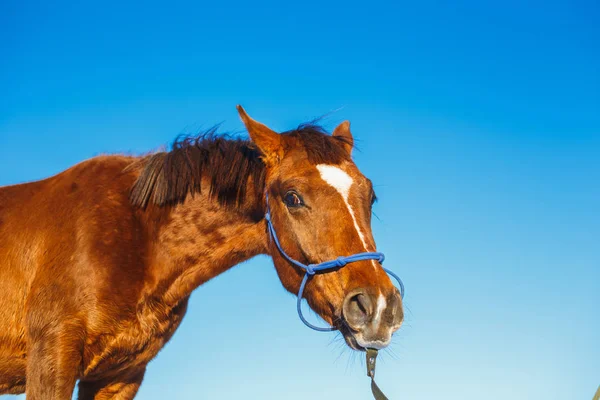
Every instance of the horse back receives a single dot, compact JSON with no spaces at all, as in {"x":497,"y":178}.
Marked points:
{"x":60,"y":239}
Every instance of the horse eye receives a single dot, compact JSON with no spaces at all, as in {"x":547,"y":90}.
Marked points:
{"x":292,"y":199}
{"x":373,"y":198}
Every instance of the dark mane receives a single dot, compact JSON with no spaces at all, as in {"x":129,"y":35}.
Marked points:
{"x":229,"y":164}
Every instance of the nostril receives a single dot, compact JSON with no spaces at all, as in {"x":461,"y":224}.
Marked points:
{"x":395,"y":306}
{"x":357,"y":309}
{"x":358,"y":301}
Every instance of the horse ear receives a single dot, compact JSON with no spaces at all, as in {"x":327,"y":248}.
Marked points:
{"x":343,"y":131}
{"x":267,"y":140}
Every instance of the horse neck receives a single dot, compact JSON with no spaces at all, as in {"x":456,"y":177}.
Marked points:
{"x":199,"y":240}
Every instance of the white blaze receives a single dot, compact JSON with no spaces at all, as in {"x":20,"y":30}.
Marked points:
{"x":380,"y":307}
{"x":341,"y":181}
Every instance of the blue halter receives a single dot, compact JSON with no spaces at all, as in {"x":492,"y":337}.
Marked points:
{"x":312,"y":269}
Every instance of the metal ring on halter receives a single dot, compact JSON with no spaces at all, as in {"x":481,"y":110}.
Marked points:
{"x":312,"y":269}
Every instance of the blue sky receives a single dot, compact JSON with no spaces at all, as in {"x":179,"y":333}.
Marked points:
{"x":479,"y":124}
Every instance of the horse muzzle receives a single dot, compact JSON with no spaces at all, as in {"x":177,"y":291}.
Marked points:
{"x":371,"y":317}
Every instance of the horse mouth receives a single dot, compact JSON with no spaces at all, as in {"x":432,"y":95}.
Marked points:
{"x":356,"y":341}
{"x":350,"y":338}
{"x":353,"y":343}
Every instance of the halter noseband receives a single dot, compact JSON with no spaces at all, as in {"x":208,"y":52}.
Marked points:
{"x":312,"y":269}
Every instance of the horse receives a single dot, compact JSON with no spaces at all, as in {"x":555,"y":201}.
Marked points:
{"x":97,"y":263}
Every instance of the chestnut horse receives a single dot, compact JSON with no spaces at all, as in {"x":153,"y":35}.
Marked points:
{"x":97,"y":263}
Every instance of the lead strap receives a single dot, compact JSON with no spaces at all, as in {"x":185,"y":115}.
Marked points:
{"x":371,"y":358}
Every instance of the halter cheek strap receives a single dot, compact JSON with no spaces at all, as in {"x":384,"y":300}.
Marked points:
{"x":312,"y":269}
